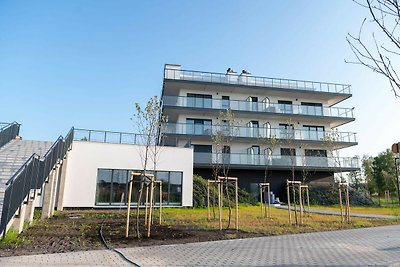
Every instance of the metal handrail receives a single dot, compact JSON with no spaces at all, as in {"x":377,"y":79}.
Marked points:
{"x":9,"y":132}
{"x":258,"y":132}
{"x":274,"y":160}
{"x":30,"y":176}
{"x":263,"y":107}
{"x":106,"y":136}
{"x":251,"y":80}
{"x":9,"y":181}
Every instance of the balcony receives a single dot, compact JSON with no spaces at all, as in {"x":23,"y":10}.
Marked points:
{"x":257,"y":107}
{"x":249,"y":80}
{"x":276,"y":162}
{"x":258,"y":132}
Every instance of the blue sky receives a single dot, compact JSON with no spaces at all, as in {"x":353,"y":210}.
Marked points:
{"x":85,"y":63}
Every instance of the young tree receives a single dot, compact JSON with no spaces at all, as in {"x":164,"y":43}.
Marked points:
{"x":223,"y":133}
{"x":148,"y":122}
{"x":381,"y":52}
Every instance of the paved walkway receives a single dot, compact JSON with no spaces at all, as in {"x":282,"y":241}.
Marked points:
{"x":333,"y":212}
{"x":357,"y":247}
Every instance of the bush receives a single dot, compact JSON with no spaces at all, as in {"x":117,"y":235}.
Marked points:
{"x":329,"y":195}
{"x":200,"y":193}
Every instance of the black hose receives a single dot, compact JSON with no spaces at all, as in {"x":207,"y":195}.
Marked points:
{"x":113,"y":249}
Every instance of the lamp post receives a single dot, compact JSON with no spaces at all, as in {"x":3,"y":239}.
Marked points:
{"x":397,"y":177}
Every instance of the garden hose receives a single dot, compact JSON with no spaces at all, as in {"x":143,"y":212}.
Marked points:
{"x":113,"y":249}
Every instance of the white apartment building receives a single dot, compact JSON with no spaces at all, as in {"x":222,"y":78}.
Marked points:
{"x":300,"y":115}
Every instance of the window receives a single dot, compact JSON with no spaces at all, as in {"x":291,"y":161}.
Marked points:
{"x":118,"y":191}
{"x":286,"y":131}
{"x":315,"y":153}
{"x":198,"y":126}
{"x":311,"y":108}
{"x":112,"y":187}
{"x":175,"y":188}
{"x":288,"y":151}
{"x":253,"y":129}
{"x":267,"y":130}
{"x":199,"y":101}
{"x":253,"y":150}
{"x":266,"y":103}
{"x":268,"y":153}
{"x":253,"y":103}
{"x":103,"y":190}
{"x":202,"y":148}
{"x":225,"y":102}
{"x":285,"y":106}
{"x":313,"y":132}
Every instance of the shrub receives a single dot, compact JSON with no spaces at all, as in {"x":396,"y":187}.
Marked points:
{"x":200,"y":193}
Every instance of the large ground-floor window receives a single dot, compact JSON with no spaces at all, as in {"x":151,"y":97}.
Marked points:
{"x":112,"y":187}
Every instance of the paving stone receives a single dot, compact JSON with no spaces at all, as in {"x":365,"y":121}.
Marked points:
{"x":379,"y":246}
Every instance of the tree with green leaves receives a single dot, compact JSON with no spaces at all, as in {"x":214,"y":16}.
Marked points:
{"x":224,"y":131}
{"x":148,"y":122}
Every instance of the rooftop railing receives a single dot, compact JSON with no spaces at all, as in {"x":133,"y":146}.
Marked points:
{"x":264,"y":107}
{"x":259,"y":132}
{"x":107,"y":137}
{"x":8,"y":131}
{"x":249,"y":80}
{"x":276,"y":161}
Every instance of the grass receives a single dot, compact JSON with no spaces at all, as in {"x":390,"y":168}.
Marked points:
{"x":392,"y":210}
{"x":250,"y":220}
{"x":72,"y":230}
{"x":13,"y":238}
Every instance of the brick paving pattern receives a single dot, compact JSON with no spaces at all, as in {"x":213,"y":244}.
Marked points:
{"x":378,"y":246}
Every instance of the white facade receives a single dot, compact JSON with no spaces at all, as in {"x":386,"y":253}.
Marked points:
{"x":308,"y":109}
{"x":86,"y":158}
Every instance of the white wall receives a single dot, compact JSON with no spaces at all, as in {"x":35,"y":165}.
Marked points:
{"x":86,"y":158}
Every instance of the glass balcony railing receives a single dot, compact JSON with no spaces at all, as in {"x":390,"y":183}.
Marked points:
{"x":259,"y":132}
{"x":277,"y":161}
{"x":242,"y":105}
{"x":249,"y":80}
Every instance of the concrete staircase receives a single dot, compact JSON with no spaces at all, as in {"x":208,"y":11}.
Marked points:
{"x":13,"y":155}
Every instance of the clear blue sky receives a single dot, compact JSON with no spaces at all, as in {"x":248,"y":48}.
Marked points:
{"x":85,"y":63}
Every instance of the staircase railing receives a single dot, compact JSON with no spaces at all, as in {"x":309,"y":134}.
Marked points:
{"x":31,"y":176}
{"x":8,"y":131}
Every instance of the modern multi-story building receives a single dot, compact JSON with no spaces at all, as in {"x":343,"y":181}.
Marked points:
{"x":301,"y":116}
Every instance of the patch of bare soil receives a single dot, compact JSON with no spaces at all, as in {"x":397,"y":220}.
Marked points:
{"x":79,"y":230}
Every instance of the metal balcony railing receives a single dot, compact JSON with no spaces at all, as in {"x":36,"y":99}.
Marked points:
{"x":259,"y":132}
{"x":249,"y":80}
{"x":276,"y":161}
{"x":107,"y":137}
{"x":264,"y":107}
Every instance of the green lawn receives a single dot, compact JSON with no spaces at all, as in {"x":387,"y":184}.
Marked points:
{"x":393,"y":210}
{"x":250,"y":220}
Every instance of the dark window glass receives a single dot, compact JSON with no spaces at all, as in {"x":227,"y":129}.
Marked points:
{"x":253,"y":102}
{"x":286,"y":131}
{"x":199,"y":100}
{"x":175,"y":188}
{"x":202,"y":148}
{"x":112,"y":187}
{"x":311,"y":108}
{"x":288,"y":152}
{"x":315,"y":153}
{"x":119,"y":181}
{"x":313,"y":132}
{"x":164,"y":177}
{"x":285,"y":106}
{"x":225,"y":102}
{"x":103,"y":190}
